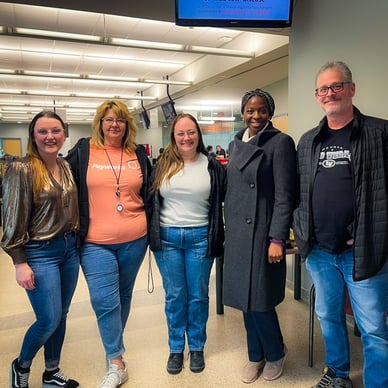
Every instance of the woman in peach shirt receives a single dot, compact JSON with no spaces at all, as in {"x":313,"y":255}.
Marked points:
{"x":112,"y":173}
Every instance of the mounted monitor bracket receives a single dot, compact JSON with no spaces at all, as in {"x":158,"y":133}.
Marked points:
{"x":168,"y":108}
{"x":144,"y":115}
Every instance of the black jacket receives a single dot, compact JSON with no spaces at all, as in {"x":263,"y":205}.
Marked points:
{"x":78,"y":157}
{"x":369,"y":155}
{"x":216,"y":223}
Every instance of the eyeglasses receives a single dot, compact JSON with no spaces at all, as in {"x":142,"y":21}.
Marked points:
{"x":335,"y":88}
{"x":188,"y":133}
{"x":110,"y":121}
{"x":45,"y":132}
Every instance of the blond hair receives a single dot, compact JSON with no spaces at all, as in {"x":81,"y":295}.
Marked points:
{"x":121,"y":111}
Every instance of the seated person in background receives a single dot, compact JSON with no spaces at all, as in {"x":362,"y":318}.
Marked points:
{"x":220,"y":152}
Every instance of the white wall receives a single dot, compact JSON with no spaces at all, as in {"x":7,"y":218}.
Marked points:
{"x":352,"y":31}
{"x":279,"y":92}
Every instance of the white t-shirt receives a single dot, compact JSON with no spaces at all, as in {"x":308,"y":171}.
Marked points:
{"x":186,"y":196}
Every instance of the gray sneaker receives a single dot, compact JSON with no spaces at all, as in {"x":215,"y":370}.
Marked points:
{"x":329,"y":380}
{"x":114,"y":377}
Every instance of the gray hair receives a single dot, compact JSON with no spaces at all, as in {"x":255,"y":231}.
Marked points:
{"x":337,"y":65}
{"x":267,"y":98}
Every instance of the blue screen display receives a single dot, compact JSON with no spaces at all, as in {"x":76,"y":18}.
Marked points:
{"x":257,"y":13}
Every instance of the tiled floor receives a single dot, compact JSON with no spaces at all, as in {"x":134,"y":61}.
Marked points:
{"x":146,"y":341}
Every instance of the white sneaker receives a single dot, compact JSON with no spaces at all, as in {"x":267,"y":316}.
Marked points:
{"x":114,"y":377}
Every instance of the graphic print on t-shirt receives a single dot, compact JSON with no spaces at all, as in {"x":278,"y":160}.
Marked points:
{"x":334,"y":155}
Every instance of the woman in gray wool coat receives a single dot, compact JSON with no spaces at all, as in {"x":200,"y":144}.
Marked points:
{"x":260,"y":198}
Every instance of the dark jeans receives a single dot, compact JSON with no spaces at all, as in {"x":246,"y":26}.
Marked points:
{"x":264,"y":337}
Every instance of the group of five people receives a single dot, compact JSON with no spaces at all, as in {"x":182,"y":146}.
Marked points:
{"x":103,"y":204}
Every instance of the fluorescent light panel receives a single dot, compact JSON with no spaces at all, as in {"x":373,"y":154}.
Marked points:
{"x":216,"y":118}
{"x":80,"y":95}
{"x":221,"y":51}
{"x":127,"y":60}
{"x":129,"y":42}
{"x":38,"y":109}
{"x":206,"y":122}
{"x":47,"y":104}
{"x":57,"y":34}
{"x":92,"y":78}
{"x":46,"y":74}
{"x":147,"y":44}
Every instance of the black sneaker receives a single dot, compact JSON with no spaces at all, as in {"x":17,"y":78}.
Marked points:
{"x":197,"y":361}
{"x":329,"y":380}
{"x":175,"y":363}
{"x":18,"y":375}
{"x":56,"y":378}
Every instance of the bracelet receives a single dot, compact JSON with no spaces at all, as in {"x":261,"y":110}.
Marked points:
{"x":278,"y":242}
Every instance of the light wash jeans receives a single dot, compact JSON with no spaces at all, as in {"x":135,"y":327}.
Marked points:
{"x":55,"y":264}
{"x":185,"y":272}
{"x":110,"y":272}
{"x":330,"y":274}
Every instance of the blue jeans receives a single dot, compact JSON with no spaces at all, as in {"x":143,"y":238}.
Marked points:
{"x":330,"y":274}
{"x":110,"y":272}
{"x":55,"y":264}
{"x":185,"y":272}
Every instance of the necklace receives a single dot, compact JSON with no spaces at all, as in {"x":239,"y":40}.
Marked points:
{"x":119,"y":206}
{"x":57,"y":175}
{"x":54,"y":169}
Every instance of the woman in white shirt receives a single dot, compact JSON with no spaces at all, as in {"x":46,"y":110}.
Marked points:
{"x":186,"y":234}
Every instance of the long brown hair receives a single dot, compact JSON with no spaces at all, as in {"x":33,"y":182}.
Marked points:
{"x":171,"y":160}
{"x":121,"y":110}
{"x":40,"y":172}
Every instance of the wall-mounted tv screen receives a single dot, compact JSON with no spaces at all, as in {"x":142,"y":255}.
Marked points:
{"x":234,"y":13}
{"x":168,"y":110}
{"x":145,"y":119}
